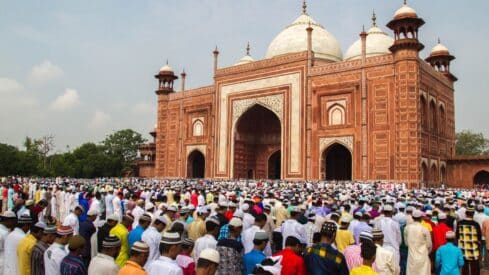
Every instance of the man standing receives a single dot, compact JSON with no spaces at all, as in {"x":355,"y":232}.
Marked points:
{"x":323,"y":258}
{"x":73,"y":219}
{"x":139,"y":256}
{"x":169,"y":249}
{"x":37,"y":254}
{"x":7,"y":222}
{"x":152,"y":237}
{"x":209,"y":240}
{"x":208,"y":262}
{"x":87,"y":229}
{"x":11,"y":243}
{"x":440,"y":231}
{"x":73,"y":262}
{"x":385,"y":262}
{"x":103,"y":263}
{"x":469,"y":238}
{"x":248,"y":235}
{"x":418,"y":241}
{"x":256,"y":255}
{"x":24,"y":248}
{"x":292,"y":263}
{"x":57,"y":251}
{"x":121,"y":231}
{"x":449,"y":258}
{"x":103,"y":231}
{"x":137,"y":232}
{"x":291,"y":227}
{"x":230,"y":249}
{"x":391,"y":231}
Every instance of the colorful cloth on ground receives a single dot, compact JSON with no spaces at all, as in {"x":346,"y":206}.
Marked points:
{"x":72,"y":264}
{"x":323,"y":259}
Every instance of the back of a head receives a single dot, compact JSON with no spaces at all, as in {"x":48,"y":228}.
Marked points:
{"x":368,"y":250}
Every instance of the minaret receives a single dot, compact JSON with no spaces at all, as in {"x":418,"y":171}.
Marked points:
{"x":165,"y":77}
{"x":216,"y":54}
{"x":183,"y":75}
{"x":440,"y":59}
{"x":405,"y":25}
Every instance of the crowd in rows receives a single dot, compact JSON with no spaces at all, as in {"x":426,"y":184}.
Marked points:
{"x":184,"y":227}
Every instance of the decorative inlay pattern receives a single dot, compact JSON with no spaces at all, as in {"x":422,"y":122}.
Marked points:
{"x":272,"y":102}
{"x":325,"y":142}
{"x":199,"y":147}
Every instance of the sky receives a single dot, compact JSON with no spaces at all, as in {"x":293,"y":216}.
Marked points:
{"x":80,"y":70}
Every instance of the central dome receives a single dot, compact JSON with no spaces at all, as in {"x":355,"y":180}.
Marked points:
{"x":294,"y":39}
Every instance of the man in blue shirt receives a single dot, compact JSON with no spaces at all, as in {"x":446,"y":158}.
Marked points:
{"x":136,"y":234}
{"x":449,"y":257}
{"x":255,"y":256}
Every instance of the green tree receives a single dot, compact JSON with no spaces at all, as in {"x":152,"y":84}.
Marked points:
{"x":8,"y":159}
{"x":124,"y":145}
{"x":470,"y":143}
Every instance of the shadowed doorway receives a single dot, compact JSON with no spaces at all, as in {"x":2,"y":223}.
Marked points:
{"x":196,"y":165}
{"x":337,"y":162}
{"x":274,"y":165}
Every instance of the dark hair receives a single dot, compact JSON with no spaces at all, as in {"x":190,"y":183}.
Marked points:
{"x":35,"y":229}
{"x":210,"y":226}
{"x":203,"y":263}
{"x":186,"y":246}
{"x":368,"y":250}
{"x":177,"y":227}
{"x":260,"y":218}
{"x":259,"y":242}
{"x":165,"y":248}
{"x":292,"y":241}
{"x":316,"y":237}
{"x":135,"y":253}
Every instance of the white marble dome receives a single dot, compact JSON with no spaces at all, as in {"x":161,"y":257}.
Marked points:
{"x":294,"y":39}
{"x":378,"y":43}
{"x":439,"y":48}
{"x":166,"y":68}
{"x":404,"y":11}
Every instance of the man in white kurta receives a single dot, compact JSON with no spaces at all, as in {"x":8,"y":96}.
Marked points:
{"x":392,"y":232}
{"x":165,"y":264}
{"x":8,"y":216}
{"x":10,"y":256}
{"x":248,"y":235}
{"x":291,"y":227}
{"x":116,"y":205}
{"x":57,"y":251}
{"x":152,"y":237}
{"x":418,"y":240}
{"x":72,"y":219}
{"x":137,"y":212}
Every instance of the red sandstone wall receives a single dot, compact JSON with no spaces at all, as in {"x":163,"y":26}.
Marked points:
{"x":146,"y":171}
{"x":461,"y":172}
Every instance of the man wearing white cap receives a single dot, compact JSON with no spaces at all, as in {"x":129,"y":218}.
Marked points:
{"x":391,"y":231}
{"x":230,"y":249}
{"x":139,"y":256}
{"x":248,"y":235}
{"x":152,"y":237}
{"x":169,"y":249}
{"x":73,"y":219}
{"x":209,"y":240}
{"x":292,"y":227}
{"x":196,"y":229}
{"x":248,"y":219}
{"x":418,"y":241}
{"x":208,"y":262}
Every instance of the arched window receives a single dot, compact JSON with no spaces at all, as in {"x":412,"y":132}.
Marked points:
{"x":198,"y":128}
{"x":336,"y":115}
{"x":443,"y":122}
{"x":433,"y":116}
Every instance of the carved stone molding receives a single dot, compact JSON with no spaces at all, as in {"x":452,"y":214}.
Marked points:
{"x":200,"y":147}
{"x":272,"y":102}
{"x":325,"y":142}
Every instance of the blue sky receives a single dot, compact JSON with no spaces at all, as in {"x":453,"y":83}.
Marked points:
{"x":82,"y":69}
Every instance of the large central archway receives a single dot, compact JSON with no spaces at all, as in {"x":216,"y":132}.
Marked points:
{"x":337,"y":163}
{"x":257,"y":135}
{"x":196,"y":165}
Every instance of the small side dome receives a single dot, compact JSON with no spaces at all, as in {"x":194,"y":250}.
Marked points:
{"x":247,"y":58}
{"x":439,"y":49}
{"x":166,"y":68}
{"x":377,"y":43}
{"x":405,"y":11}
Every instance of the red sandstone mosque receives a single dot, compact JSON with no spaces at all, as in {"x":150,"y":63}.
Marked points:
{"x":308,"y":111}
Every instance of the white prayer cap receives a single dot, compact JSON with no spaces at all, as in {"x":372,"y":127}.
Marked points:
{"x":210,"y":255}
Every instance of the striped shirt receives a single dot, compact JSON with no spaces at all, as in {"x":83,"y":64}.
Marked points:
{"x":73,"y":264}
{"x":353,"y":256}
{"x":37,"y":258}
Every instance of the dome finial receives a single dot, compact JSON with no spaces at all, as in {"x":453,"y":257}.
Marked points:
{"x":405,"y":2}
{"x":167,"y":61}
{"x":374,"y":19}
{"x":304,"y":7}
{"x":439,"y":40}
{"x":248,"y":48}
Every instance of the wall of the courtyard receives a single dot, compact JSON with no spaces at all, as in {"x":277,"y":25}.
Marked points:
{"x":462,"y":170}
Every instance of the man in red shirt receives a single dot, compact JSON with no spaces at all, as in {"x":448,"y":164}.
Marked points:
{"x":439,"y":232}
{"x":292,"y":263}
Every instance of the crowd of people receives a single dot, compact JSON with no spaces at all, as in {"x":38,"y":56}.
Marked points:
{"x":136,"y":226}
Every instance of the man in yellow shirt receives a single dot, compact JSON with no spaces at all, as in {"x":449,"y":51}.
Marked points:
{"x":344,"y":237}
{"x":121,"y":232}
{"x":139,"y":256}
{"x":368,"y":254}
{"x":197,"y":228}
{"x":25,"y":247}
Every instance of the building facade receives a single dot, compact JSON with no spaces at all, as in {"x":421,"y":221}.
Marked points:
{"x":305,"y":111}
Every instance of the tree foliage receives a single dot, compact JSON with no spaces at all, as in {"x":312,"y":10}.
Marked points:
{"x":470,"y":143}
{"x":109,"y":158}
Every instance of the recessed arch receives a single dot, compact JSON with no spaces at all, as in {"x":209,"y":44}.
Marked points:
{"x":433,"y":116}
{"x":336,"y":162}
{"x":424,"y":117}
{"x":256,"y":133}
{"x":196,"y":164}
{"x":274,"y":165}
{"x":336,"y":115}
{"x":198,"y":128}
{"x":443,"y":120}
{"x":424,"y":172}
{"x":481,"y":178}
{"x":434,"y":174}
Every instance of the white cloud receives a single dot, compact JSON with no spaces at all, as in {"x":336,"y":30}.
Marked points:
{"x":143,"y":108}
{"x":8,"y":85}
{"x":66,"y":101}
{"x":99,"y":120}
{"x":44,"y":72}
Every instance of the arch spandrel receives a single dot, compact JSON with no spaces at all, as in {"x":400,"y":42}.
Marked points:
{"x":273,"y":102}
